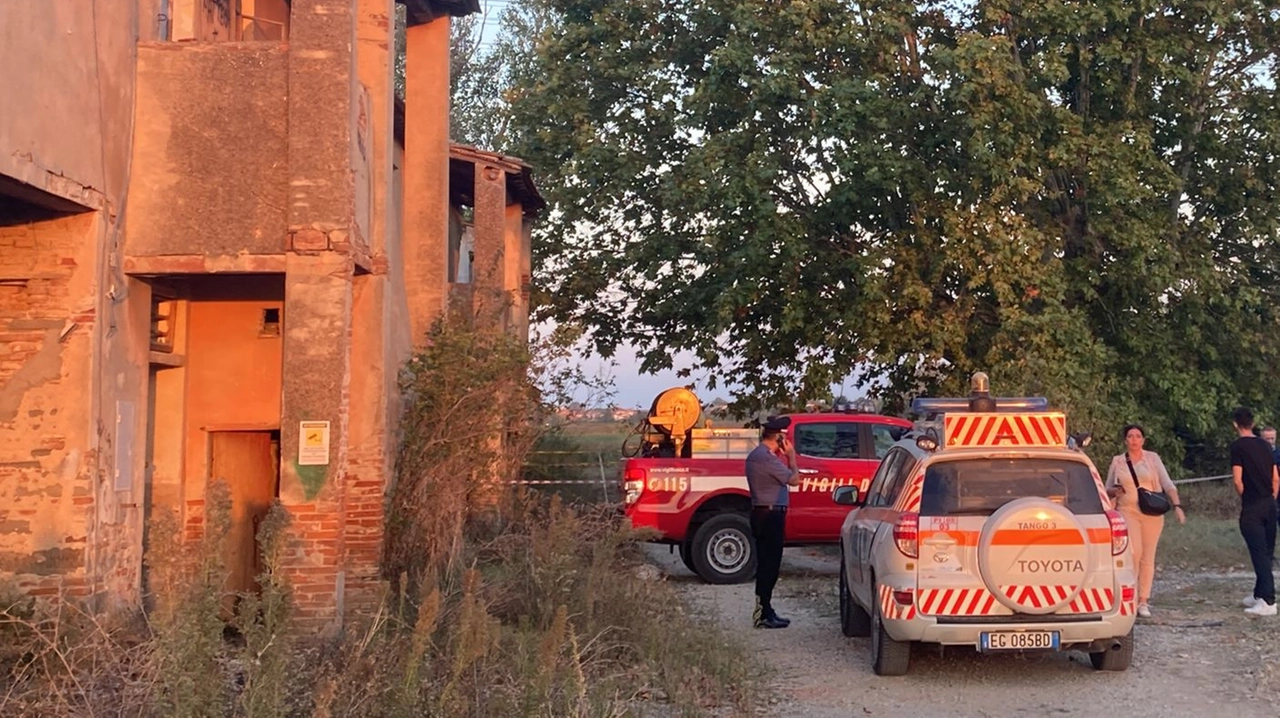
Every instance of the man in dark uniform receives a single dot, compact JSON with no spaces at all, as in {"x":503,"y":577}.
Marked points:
{"x":1253,"y":470}
{"x":769,"y":479}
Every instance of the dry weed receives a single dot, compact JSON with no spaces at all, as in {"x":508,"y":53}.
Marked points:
{"x":498,"y":602}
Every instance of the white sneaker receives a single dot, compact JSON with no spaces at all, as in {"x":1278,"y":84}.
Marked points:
{"x":1262,"y":608}
{"x":1144,"y":611}
{"x":1249,"y":601}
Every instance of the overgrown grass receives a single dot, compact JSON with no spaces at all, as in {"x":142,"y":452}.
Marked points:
{"x":1203,"y":544}
{"x":560,"y":465}
{"x":498,"y":601}
{"x":1210,"y":540}
{"x":551,"y":617}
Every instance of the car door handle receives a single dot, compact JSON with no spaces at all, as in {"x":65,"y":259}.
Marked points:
{"x":808,"y":471}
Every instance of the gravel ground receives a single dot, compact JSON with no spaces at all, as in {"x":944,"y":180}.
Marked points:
{"x":1197,"y":656}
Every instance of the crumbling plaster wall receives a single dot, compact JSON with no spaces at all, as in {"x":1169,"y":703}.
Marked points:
{"x":46,"y":463}
{"x":69,"y":320}
{"x":67,"y":522}
{"x":208,"y":165}
{"x":69,"y":66}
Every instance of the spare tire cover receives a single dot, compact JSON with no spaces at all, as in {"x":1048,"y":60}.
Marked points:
{"x":1034,"y":556}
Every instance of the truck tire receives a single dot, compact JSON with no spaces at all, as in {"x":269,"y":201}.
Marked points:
{"x":722,"y":549}
{"x":686,"y":556}
{"x":1114,"y":659}
{"x":855,"y":622}
{"x":888,"y":657}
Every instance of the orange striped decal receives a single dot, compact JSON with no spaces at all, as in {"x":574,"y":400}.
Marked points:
{"x":1037,"y":596}
{"x":1092,"y":600}
{"x":913,"y":493}
{"x":962,"y":538}
{"x":1037,"y":537}
{"x":1008,"y":430}
{"x":1016,"y":537}
{"x":891,"y":609}
{"x":958,"y":602}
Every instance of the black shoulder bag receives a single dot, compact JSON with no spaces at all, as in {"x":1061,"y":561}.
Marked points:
{"x":1151,"y":503}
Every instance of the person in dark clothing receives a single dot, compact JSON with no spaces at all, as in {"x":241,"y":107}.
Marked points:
{"x":1253,"y":469}
{"x":769,"y":479}
{"x":1268,"y":435}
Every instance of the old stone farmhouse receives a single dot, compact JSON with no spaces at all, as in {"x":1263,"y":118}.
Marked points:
{"x":220,"y":236}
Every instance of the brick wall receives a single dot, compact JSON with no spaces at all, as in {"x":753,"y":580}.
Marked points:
{"x":364,"y":528}
{"x":314,"y":561}
{"x":47,"y":299}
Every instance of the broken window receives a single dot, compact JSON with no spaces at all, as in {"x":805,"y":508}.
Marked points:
{"x":162,"y":321}
{"x":263,"y":19}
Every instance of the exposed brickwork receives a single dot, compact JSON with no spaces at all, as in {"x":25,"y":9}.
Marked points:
{"x":365,"y":527}
{"x":314,"y":561}
{"x":308,"y":240}
{"x":266,"y":159}
{"x":193,"y":521}
{"x":47,"y":501}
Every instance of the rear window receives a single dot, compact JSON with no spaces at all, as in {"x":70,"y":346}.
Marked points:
{"x":980,"y":486}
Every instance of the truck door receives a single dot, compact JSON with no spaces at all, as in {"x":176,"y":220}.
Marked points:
{"x":829,"y":454}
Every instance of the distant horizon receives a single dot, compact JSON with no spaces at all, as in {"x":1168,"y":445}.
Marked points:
{"x":634,"y":390}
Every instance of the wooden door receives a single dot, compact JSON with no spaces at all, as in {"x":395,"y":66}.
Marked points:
{"x":246,"y":461}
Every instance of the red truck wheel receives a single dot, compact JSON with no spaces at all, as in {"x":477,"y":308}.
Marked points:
{"x":722,"y":549}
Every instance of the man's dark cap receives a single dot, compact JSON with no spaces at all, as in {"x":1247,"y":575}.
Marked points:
{"x":777,"y":423}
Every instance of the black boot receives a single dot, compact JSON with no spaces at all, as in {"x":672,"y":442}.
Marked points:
{"x":779,"y":619}
{"x":764,"y":617}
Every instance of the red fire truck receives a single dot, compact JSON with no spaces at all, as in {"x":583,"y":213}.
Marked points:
{"x":686,"y":480}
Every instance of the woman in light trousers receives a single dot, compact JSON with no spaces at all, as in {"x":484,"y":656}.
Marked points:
{"x":1144,"y":530}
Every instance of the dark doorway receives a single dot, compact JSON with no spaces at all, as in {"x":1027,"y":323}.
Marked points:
{"x":248,"y":461}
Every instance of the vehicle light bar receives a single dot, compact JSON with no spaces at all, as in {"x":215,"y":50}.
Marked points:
{"x":941,"y":405}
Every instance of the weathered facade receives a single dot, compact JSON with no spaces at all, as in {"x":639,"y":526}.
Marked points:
{"x":220,"y":236}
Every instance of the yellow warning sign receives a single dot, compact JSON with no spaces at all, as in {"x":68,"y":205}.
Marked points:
{"x":313,"y":443}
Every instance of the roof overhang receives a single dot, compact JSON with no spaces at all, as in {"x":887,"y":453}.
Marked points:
{"x":462,"y":175}
{"x":419,"y":12}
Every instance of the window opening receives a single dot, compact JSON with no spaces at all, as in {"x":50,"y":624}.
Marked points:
{"x":270,"y":322}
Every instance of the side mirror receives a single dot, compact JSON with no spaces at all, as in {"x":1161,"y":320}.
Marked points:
{"x":846,"y":496}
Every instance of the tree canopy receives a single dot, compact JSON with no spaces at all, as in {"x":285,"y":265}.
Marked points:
{"x":1079,"y":198}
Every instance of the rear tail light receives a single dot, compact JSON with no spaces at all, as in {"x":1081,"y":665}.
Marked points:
{"x":902,"y":598}
{"x":1119,"y":533}
{"x":1127,"y":594}
{"x":633,"y":480}
{"x":906,"y":534}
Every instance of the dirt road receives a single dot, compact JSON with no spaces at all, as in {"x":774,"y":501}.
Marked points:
{"x":1198,"y":656}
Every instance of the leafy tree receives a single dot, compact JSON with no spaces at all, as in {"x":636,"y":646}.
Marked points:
{"x":1079,"y":198}
{"x":483,"y":63}
{"x":476,"y":112}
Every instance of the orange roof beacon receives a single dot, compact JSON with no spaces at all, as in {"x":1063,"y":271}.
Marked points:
{"x":986,"y":526}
